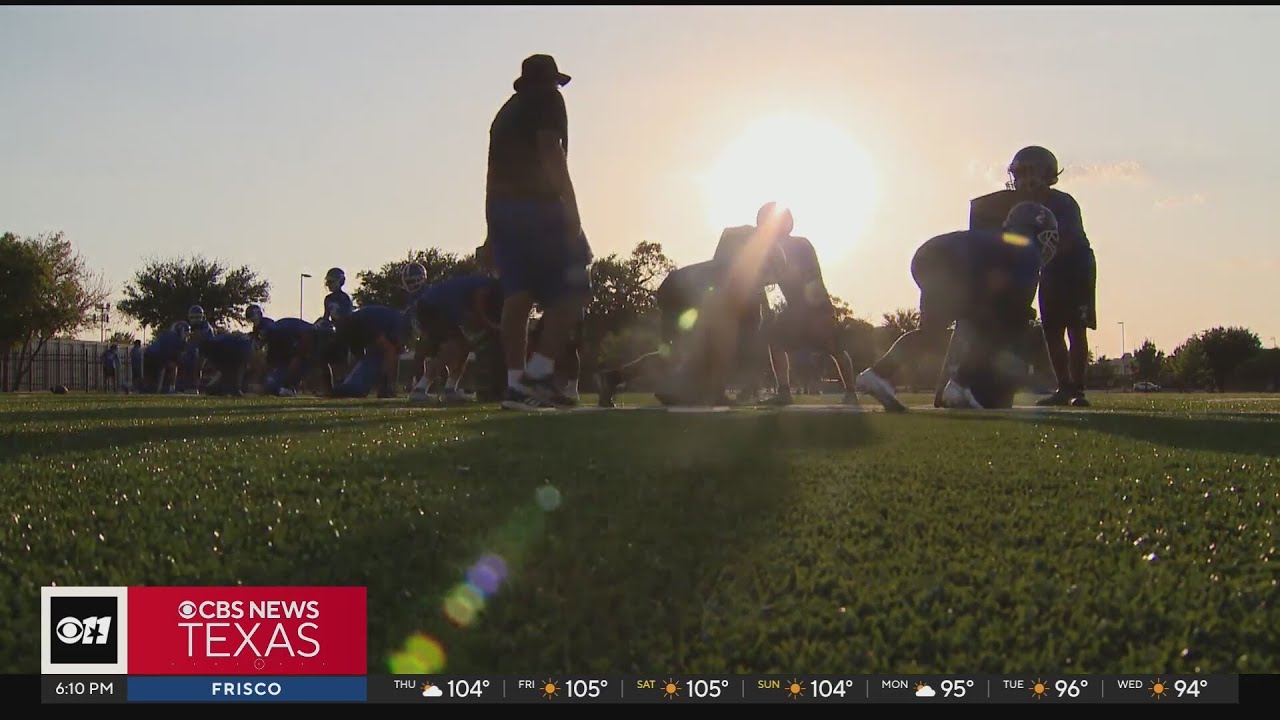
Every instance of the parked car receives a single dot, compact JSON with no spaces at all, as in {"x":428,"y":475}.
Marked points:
{"x":1146,"y":387}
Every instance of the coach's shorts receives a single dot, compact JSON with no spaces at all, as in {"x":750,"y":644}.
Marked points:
{"x":531,"y":252}
{"x":1068,"y":291}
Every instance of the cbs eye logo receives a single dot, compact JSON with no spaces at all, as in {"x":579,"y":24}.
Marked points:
{"x":83,"y":630}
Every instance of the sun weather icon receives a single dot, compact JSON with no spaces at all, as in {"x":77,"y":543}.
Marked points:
{"x":794,"y":690}
{"x":1039,"y":689}
{"x":549,"y":689}
{"x":670,"y":689}
{"x":1158,"y":689}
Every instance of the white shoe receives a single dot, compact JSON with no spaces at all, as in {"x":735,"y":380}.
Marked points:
{"x":419,"y":395}
{"x":956,"y":396}
{"x":286,"y":392}
{"x":880,"y":389}
{"x":456,"y":397}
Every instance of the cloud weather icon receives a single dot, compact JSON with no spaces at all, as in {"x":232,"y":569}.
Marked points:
{"x":925,"y":691}
{"x":429,"y":690}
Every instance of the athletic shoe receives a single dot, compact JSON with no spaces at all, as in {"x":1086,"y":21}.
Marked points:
{"x":956,"y":396}
{"x":1057,"y":399}
{"x":880,"y":389}
{"x":517,"y":399}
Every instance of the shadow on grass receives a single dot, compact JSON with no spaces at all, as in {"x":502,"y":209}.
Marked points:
{"x":45,"y":443}
{"x":158,"y":407}
{"x":1238,"y":434}
{"x":609,"y":571}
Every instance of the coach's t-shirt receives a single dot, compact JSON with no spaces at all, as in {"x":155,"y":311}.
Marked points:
{"x":515,"y":168}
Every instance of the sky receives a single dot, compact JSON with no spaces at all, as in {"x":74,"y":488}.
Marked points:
{"x":297,"y":139}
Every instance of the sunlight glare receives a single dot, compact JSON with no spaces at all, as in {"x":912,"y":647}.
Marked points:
{"x":801,"y":162}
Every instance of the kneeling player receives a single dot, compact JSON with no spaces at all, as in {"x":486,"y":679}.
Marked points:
{"x":678,"y":299}
{"x":229,"y":354}
{"x":710,"y":312}
{"x":294,"y":347}
{"x":808,"y":323}
{"x":377,"y":335}
{"x":985,"y":282}
{"x":450,"y":317}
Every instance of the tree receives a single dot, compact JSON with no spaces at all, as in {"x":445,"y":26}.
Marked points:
{"x":1187,"y":366}
{"x":121,"y":338}
{"x":385,"y":286}
{"x":855,"y":336}
{"x":1260,"y":372}
{"x":46,"y":290}
{"x":163,"y":290}
{"x":902,"y":320}
{"x":622,"y":288}
{"x":1226,"y":348}
{"x":1147,"y":362}
{"x":621,"y":298}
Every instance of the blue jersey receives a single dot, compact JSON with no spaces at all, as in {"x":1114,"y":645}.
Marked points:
{"x":337,"y":305}
{"x":1070,"y":224}
{"x":286,"y":331}
{"x":374,"y":321}
{"x":226,"y":351}
{"x":166,"y":348}
{"x":459,"y":296}
{"x":110,"y":360}
{"x":135,"y":356}
{"x":981,"y":256}
{"x":262,"y":327}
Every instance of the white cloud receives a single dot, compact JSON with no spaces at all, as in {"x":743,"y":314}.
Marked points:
{"x":926,"y":691}
{"x":1179,"y":201}
{"x":1131,"y":171}
{"x":1122,"y":171}
{"x":432,"y":691}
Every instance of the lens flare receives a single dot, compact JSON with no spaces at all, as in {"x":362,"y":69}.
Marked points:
{"x":463,"y":604}
{"x":487,"y":574}
{"x":422,"y":655}
{"x":688,"y":319}
{"x":548,"y":498}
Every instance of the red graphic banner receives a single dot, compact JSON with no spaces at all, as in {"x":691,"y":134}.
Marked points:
{"x":248,"y":631}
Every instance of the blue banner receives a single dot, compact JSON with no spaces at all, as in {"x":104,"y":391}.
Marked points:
{"x":247,"y":689}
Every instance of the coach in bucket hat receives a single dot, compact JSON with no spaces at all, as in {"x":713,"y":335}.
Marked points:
{"x":540,"y":70}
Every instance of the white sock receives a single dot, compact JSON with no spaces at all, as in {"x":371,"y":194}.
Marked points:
{"x":540,"y":366}
{"x":571,"y":387}
{"x":513,"y":378}
{"x":451,"y":384}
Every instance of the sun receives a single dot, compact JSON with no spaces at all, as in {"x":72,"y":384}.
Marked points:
{"x":670,"y":689}
{"x":1157,"y":689}
{"x":549,"y":689}
{"x":794,"y":690}
{"x":814,"y":167}
{"x":1039,"y":689}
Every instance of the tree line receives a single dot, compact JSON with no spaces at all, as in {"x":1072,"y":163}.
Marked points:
{"x":47,"y":290}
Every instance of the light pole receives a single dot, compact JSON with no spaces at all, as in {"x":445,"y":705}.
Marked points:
{"x":304,"y":276}
{"x":1273,"y":342}
{"x":1121,"y":324}
{"x":104,"y":316}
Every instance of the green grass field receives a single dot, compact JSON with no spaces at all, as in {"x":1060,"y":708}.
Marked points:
{"x":1139,"y":536}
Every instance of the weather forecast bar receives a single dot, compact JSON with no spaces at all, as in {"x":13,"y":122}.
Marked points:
{"x":558,"y":689}
{"x":805,"y":688}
